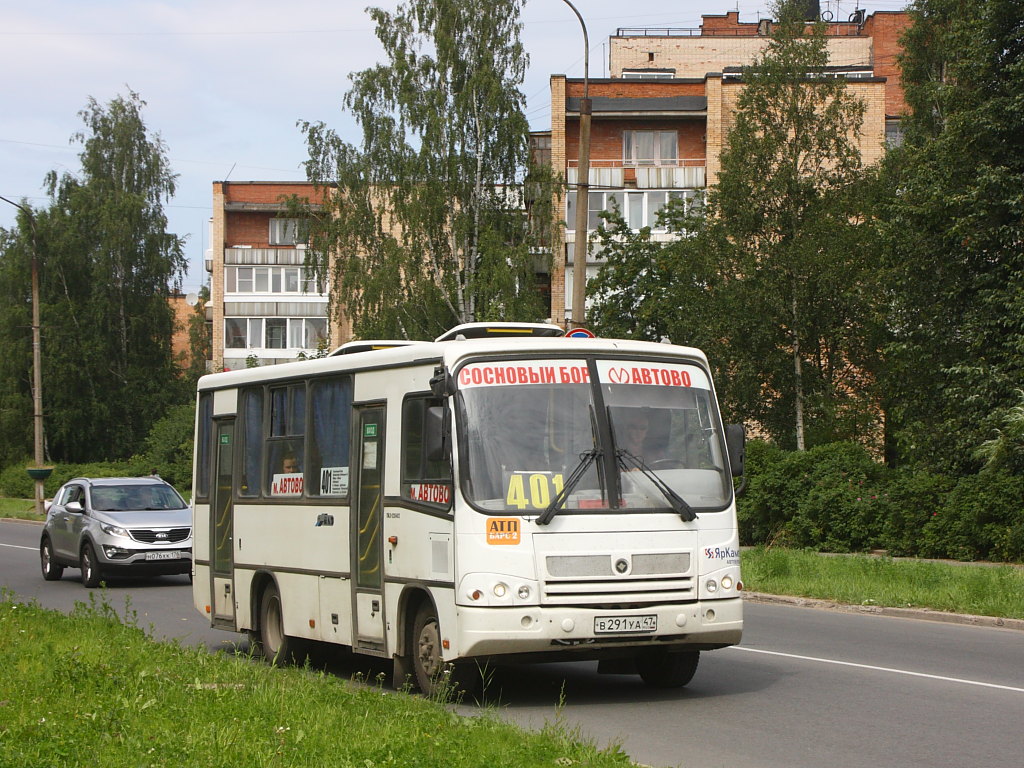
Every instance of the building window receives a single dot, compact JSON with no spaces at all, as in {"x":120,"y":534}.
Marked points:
{"x":269,"y":280}
{"x":648,"y":74}
{"x":650,"y":147}
{"x":275,"y":332}
{"x":284,"y":231}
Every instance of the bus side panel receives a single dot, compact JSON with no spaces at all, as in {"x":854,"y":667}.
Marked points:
{"x":315,"y":550}
{"x":201,"y":596}
{"x":418,"y":555}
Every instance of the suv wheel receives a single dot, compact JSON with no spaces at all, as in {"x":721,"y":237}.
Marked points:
{"x":91,"y":576}
{"x":52,"y":570}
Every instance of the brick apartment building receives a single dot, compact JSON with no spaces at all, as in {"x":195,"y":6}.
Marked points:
{"x":264,"y":302}
{"x":660,"y":120}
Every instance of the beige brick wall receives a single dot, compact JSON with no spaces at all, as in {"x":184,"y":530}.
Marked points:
{"x":696,"y":56}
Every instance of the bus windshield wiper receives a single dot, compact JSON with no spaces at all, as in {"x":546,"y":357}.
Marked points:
{"x":586,"y":459}
{"x":628,"y":461}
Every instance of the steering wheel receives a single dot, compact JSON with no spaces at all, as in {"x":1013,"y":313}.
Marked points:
{"x":668,"y":464}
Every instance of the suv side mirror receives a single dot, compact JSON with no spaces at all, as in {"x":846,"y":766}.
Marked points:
{"x":74,"y":506}
{"x":735,"y":443}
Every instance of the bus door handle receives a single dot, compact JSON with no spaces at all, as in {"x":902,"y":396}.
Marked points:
{"x":374,"y":608}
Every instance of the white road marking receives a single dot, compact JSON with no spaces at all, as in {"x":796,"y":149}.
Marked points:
{"x":16,"y":546}
{"x":879,"y":669}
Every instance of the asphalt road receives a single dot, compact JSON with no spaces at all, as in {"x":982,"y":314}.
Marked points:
{"x":806,"y":688}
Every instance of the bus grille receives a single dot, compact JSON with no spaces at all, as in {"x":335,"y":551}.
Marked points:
{"x":620,"y":581}
{"x":161,"y":535}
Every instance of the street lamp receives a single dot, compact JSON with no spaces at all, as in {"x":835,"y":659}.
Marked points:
{"x":38,"y":473}
{"x":580,"y":248}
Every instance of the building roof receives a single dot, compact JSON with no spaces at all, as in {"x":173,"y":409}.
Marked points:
{"x":649,"y":105}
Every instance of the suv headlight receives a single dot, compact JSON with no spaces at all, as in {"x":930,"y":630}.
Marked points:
{"x":114,"y":530}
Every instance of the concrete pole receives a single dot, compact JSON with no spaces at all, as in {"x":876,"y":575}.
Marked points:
{"x":581,"y":247}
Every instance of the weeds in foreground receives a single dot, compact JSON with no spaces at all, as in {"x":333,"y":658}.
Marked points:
{"x":91,"y":689}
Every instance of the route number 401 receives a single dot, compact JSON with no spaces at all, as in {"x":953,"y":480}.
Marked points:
{"x":532,"y":489}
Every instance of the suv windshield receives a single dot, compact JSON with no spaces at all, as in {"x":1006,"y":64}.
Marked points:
{"x":123,"y":498}
{"x":527,"y":425}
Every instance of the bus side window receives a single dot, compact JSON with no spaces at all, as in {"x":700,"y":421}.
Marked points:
{"x":205,"y":421}
{"x":330,"y":403}
{"x":286,"y":442}
{"x":426,"y":479}
{"x":251,"y":413}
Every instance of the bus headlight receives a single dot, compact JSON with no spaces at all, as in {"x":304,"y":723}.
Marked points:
{"x":727,"y":582}
{"x":711,"y":585}
{"x":500,"y":590}
{"x":524,"y":592}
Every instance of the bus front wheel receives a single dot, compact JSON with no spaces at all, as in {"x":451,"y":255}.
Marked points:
{"x":434,"y":677}
{"x":660,"y":669}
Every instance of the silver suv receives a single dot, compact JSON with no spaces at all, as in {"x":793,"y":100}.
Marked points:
{"x":116,"y":525}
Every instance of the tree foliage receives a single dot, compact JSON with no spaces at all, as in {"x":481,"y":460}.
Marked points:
{"x":776,"y":283}
{"x":954,"y":232}
{"x":428,"y":222}
{"x":107,"y":265}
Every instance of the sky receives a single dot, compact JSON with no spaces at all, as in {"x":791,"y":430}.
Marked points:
{"x":226,"y":81}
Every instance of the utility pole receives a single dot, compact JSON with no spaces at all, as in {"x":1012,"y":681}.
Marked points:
{"x":581,"y":246}
{"x":39,"y":472}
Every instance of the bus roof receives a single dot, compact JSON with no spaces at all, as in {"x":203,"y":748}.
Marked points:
{"x":450,"y":353}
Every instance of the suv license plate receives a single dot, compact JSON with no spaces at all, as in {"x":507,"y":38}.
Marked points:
{"x":611,"y":625}
{"x":175,"y":555}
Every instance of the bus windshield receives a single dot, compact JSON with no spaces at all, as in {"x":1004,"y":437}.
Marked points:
{"x":527,"y":426}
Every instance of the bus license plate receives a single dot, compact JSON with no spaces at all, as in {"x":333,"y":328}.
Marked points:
{"x":163,"y":555}
{"x":611,"y":625}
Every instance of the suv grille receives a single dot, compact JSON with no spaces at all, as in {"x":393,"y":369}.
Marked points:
{"x":160,"y":535}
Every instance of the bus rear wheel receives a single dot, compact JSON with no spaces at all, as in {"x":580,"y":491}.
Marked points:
{"x":661,"y":669}
{"x":270,"y":639}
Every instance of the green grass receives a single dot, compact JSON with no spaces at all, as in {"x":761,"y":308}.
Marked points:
{"x":90,"y":689}
{"x":23,"y":509}
{"x":982,"y":590}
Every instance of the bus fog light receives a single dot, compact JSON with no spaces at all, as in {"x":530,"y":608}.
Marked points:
{"x":526,"y":621}
{"x":710,"y":615}
{"x":568,"y":625}
{"x":726,"y":582}
{"x":524,"y":592}
{"x":681,"y":620}
{"x":711,"y":586}
{"x":500,"y":590}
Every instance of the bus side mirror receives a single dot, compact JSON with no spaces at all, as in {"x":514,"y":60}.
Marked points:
{"x":735,"y":443}
{"x":433,"y":433}
{"x":441,"y":383}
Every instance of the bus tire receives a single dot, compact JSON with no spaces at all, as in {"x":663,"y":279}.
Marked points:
{"x":661,"y":669}
{"x":434,"y":677}
{"x":271,"y":642}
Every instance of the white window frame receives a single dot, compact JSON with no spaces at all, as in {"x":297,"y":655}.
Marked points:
{"x":659,"y":141}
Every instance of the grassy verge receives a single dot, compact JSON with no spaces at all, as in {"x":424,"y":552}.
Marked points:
{"x":90,"y":689}
{"x":866,"y":580}
{"x":23,"y":509}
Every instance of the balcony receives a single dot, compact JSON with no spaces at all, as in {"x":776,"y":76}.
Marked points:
{"x":686,"y":173}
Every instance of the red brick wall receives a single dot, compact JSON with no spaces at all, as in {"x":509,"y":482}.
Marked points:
{"x":885,"y":29}
{"x":606,"y":137}
{"x":265,"y":192}
{"x":634,"y":89}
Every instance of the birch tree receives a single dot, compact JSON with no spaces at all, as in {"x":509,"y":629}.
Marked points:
{"x":428,"y":220}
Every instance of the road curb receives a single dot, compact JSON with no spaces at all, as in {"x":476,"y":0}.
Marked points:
{"x":924,"y":614}
{"x":21,"y":520}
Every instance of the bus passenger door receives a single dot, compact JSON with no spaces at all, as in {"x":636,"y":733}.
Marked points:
{"x":221,"y":527}
{"x":367,"y":533}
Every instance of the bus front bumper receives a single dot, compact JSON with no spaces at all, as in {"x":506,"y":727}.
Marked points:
{"x":539,"y":629}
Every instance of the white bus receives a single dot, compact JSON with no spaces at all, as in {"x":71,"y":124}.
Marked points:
{"x":473,"y":500}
